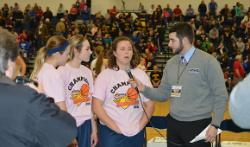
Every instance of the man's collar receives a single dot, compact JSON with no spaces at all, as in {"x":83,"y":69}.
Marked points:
{"x":189,"y":53}
{"x":6,"y":80}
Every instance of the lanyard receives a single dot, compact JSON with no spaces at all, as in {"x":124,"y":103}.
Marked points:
{"x":180,"y":74}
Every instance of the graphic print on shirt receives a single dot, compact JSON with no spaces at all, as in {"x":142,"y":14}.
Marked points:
{"x":80,"y":96}
{"x":128,"y":99}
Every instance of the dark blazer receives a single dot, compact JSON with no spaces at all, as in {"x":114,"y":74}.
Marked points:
{"x":28,"y":119}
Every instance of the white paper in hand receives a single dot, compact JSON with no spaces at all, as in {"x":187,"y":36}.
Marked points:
{"x":202,"y":135}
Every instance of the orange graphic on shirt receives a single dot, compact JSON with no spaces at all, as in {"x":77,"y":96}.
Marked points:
{"x":124,"y":101}
{"x":80,"y":96}
{"x":132,"y":93}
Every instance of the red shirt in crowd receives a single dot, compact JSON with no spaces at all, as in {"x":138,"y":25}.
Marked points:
{"x":238,"y":65}
{"x":177,"y":12}
{"x":73,"y":10}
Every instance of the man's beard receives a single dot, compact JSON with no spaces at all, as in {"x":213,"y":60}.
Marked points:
{"x":180,"y":48}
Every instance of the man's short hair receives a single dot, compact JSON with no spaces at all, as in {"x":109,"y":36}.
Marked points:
{"x":8,"y":49}
{"x":183,"y":30}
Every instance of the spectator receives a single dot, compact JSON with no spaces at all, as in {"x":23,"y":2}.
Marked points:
{"x":152,"y":9}
{"x":214,"y":36}
{"x":5,"y":10}
{"x":238,"y":69}
{"x":61,"y":27}
{"x":39,"y":14}
{"x":149,"y":57}
{"x":155,"y":76}
{"x":238,"y":13}
{"x":224,"y":11}
{"x":151,"y":46}
{"x":202,"y":8}
{"x":246,"y":64}
{"x":212,"y":8}
{"x":170,"y":12}
{"x":177,"y":13}
{"x":107,"y":41}
{"x":245,"y":23}
{"x":82,"y":5}
{"x":85,"y":13}
{"x":222,"y":50}
{"x":48,"y":14}
{"x":20,"y":69}
{"x":240,"y":45}
{"x":77,"y":4}
{"x":112,"y":13}
{"x":142,"y":64}
{"x":23,"y":36}
{"x":206,"y":44}
{"x":246,"y":51}
{"x":60,"y":11}
{"x":189,"y":12}
{"x":73,"y":13}
{"x":25,"y":46}
{"x":141,"y":7}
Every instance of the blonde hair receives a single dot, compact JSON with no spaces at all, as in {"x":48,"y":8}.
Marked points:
{"x":76,"y":42}
{"x":52,"y":43}
{"x":238,"y":57}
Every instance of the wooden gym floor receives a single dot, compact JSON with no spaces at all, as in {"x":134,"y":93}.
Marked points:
{"x":162,"y":108}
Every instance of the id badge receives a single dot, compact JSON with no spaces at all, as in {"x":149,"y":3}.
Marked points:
{"x":176,"y":91}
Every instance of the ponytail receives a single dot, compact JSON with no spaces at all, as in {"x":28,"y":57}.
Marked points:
{"x":99,"y":63}
{"x":39,"y":61}
{"x":53,"y":45}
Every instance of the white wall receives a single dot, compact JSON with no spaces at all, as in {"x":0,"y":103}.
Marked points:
{"x":103,"y":5}
{"x":53,"y":4}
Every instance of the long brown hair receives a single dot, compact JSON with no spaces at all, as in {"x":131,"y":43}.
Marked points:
{"x":53,"y":42}
{"x":99,"y":50}
{"x":112,"y":59}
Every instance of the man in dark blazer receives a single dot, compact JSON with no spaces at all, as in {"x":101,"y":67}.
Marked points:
{"x":27,"y":118}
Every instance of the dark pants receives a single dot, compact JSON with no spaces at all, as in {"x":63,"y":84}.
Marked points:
{"x":109,"y":138}
{"x":180,"y":133}
{"x":84,"y":134}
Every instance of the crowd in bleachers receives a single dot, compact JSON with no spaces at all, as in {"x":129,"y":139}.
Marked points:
{"x":223,"y":33}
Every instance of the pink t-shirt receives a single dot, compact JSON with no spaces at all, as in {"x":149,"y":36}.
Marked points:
{"x":51,"y":82}
{"x":120,"y":100}
{"x":78,"y":86}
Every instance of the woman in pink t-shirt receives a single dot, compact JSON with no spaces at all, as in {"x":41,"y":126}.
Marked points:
{"x":53,"y":54}
{"x":78,"y":87}
{"x":117,"y":105}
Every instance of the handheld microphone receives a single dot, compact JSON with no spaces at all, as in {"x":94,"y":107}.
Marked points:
{"x":131,"y":77}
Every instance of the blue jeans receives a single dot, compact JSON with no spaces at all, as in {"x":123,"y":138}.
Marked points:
{"x":109,"y":138}
{"x":84,"y":134}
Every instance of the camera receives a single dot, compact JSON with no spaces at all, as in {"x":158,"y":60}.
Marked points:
{"x":23,"y":80}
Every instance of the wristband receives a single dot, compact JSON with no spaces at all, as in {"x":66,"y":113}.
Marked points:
{"x":217,"y":127}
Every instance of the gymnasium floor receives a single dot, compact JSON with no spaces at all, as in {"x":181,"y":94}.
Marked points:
{"x":161,"y":109}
